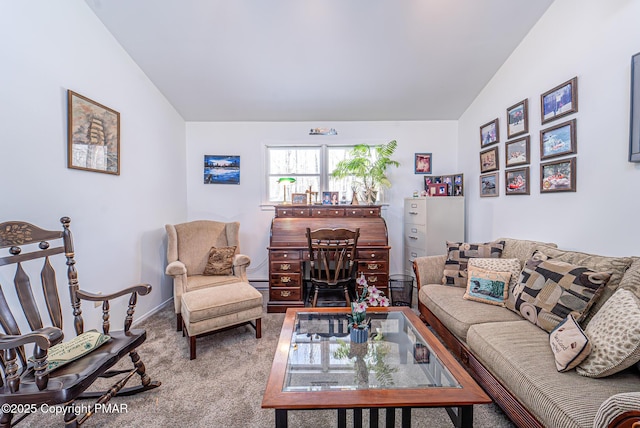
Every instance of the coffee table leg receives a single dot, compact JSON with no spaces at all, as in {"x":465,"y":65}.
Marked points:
{"x":390,"y":418}
{"x":281,"y":418}
{"x":342,"y":418}
{"x":466,"y":417}
{"x":406,"y":417}
{"x":357,"y":418}
{"x":373,"y":418}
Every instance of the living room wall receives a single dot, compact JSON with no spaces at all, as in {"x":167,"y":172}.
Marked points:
{"x":593,"y":40}
{"x":247,"y":139}
{"x":117,"y":221}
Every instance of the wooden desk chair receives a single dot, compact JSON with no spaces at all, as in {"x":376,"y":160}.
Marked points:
{"x":37,"y":380}
{"x":332,"y":254}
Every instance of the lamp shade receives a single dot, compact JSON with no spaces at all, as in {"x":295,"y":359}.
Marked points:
{"x":287,"y":180}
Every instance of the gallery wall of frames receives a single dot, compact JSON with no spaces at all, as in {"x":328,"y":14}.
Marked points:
{"x":557,"y":143}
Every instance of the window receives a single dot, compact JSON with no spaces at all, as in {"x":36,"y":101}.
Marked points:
{"x":310,"y":166}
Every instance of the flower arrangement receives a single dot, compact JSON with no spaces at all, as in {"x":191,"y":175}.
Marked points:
{"x":370,"y":296}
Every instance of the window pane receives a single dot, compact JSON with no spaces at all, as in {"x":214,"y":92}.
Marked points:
{"x":276,"y":190}
{"x":289,"y":160}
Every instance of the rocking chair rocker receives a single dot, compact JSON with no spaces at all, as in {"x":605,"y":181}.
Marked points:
{"x":30,"y":381}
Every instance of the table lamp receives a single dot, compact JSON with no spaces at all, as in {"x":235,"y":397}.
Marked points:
{"x":285,"y":181}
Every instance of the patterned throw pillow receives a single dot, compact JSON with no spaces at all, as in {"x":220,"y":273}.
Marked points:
{"x":220,"y":261}
{"x":501,"y":265}
{"x":614,"y":332}
{"x":549,"y":290}
{"x":569,"y":344}
{"x":459,"y":253}
{"x":487,"y":286}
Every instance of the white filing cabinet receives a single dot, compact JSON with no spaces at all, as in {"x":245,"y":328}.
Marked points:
{"x":428,"y":223}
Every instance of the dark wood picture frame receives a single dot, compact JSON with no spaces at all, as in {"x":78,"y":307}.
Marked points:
{"x":518,"y":119}
{"x":93,"y":135}
{"x":558,"y":176}
{"x":422,"y":163}
{"x":516,"y":181}
{"x":489,"y":160}
{"x":558,"y":140}
{"x":634,"y":128}
{"x":489,"y":133}
{"x":299,"y":199}
{"x":490,"y":185}
{"x":458,"y":185}
{"x":559,"y":101}
{"x":516,"y":152}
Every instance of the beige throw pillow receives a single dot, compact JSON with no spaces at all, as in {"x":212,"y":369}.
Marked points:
{"x":220,"y":261}
{"x":487,"y":286}
{"x":569,"y":344}
{"x":501,"y":265}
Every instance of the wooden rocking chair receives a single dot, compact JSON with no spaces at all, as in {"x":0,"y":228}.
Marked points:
{"x":33,"y":382}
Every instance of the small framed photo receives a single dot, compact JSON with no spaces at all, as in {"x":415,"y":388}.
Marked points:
{"x":489,"y":133}
{"x":517,"y":119}
{"x":427,"y":180}
{"x":558,"y":176}
{"x":458,"y":185}
{"x":559,"y":101}
{"x":422,"y":163}
{"x":448,"y":180}
{"x":517,"y":152}
{"x":326,"y":198}
{"x":489,"y":160}
{"x":437,"y":179}
{"x":489,"y":185}
{"x":93,"y":135}
{"x":517,"y":181}
{"x":558,"y":140}
{"x":438,"y":189}
{"x":634,"y":131}
{"x":299,"y":198}
{"x":421,"y":353}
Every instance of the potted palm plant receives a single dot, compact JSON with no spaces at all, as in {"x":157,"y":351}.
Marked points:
{"x":368,"y":165}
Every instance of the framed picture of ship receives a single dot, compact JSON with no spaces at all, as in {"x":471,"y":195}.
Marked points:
{"x":93,"y":135}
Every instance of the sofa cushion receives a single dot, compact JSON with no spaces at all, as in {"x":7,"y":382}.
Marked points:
{"x":615,"y":336}
{"x":616,"y":266}
{"x":220,"y":261}
{"x":502,"y":265}
{"x":569,"y":344}
{"x":521,"y":249}
{"x":458,"y":314}
{"x":487,"y":286}
{"x":458,"y":253}
{"x":519,"y":356}
{"x":549,"y":290}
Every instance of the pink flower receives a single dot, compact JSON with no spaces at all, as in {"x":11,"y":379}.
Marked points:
{"x":360,"y":307}
{"x":362,"y":281}
{"x":372,"y":301}
{"x":384,"y":301}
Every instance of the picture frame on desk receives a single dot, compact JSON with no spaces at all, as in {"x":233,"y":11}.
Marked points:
{"x":299,"y":199}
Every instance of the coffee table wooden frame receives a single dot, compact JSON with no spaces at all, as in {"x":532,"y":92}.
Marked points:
{"x":462,"y":398}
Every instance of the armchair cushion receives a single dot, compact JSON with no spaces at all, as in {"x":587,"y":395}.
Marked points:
{"x":220,"y":261}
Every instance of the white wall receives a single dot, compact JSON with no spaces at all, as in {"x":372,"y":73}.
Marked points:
{"x":242,"y":202}
{"x":118,"y":221}
{"x":593,"y":40}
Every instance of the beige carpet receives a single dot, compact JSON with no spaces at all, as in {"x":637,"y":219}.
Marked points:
{"x":224,"y":385}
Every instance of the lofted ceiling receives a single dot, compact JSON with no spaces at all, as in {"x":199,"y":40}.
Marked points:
{"x":319,"y":60}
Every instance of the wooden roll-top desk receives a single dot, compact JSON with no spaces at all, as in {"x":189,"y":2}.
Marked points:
{"x":288,"y":247}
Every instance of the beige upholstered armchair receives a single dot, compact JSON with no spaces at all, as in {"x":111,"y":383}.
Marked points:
{"x":188,"y":246}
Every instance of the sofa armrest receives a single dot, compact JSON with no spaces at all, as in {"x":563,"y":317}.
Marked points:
{"x":176,"y":268}
{"x":240,"y":264}
{"x":429,"y":269}
{"x":619,"y":411}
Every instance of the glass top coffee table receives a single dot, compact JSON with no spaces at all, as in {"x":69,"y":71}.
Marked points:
{"x":402,"y":365}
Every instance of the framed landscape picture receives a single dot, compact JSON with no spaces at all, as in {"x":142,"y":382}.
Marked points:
{"x":489,"y":133}
{"x":422,"y":163}
{"x":221,"y":169}
{"x":489,"y":160}
{"x":489,"y":185}
{"x":634,"y":131}
{"x":518,"y":119}
{"x":299,"y":198}
{"x":93,"y":135}
{"x":558,"y":140}
{"x":558,"y":176}
{"x":559,"y":101}
{"x":517,"y":152}
{"x":517,"y":181}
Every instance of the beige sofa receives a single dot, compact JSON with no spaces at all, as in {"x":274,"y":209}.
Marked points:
{"x":511,"y":358}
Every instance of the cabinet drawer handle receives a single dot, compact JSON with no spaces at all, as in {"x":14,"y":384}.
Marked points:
{"x":372,"y":279}
{"x":371,"y":212}
{"x":413,"y":212}
{"x":285,"y":266}
{"x":285,"y":279}
{"x":414,"y":205}
{"x":373,"y":255}
{"x":414,"y":255}
{"x":285,"y":255}
{"x":414,"y":230}
{"x":413,"y":237}
{"x":372,"y":266}
{"x":285,"y":293}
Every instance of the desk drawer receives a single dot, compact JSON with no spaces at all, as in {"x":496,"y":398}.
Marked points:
{"x":281,"y":294}
{"x":364,"y":254}
{"x":380,"y":280}
{"x":286,"y":280}
{"x":286,"y":266}
{"x":284,"y":255}
{"x":372,"y":266}
{"x":363,"y":212}
{"x":327,"y":212}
